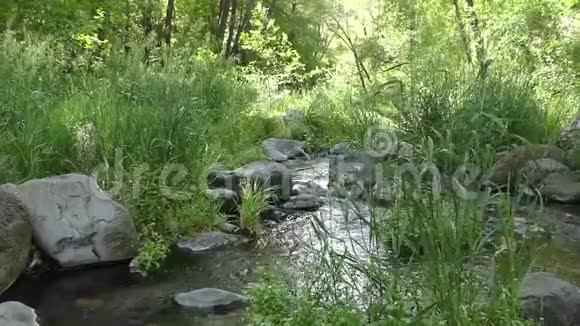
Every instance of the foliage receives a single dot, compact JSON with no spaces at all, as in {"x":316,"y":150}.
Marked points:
{"x":255,"y":199}
{"x":275,"y":302}
{"x":270,"y":50}
{"x":133,"y":125}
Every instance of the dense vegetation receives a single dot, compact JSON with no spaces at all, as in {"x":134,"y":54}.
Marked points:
{"x":143,"y":91}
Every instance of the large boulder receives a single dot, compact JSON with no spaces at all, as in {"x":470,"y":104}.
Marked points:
{"x":561,"y":187}
{"x":274,"y":176}
{"x":17,"y":314}
{"x":280,"y":150}
{"x":76,"y":223}
{"x":15,"y":238}
{"x":545,"y":297}
{"x":509,"y":167}
{"x":210,"y":301}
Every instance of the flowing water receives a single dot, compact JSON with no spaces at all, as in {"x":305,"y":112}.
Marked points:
{"x":111,"y":296}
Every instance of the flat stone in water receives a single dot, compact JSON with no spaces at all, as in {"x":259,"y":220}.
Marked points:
{"x":306,"y":202}
{"x":210,"y":300}
{"x":210,"y":241}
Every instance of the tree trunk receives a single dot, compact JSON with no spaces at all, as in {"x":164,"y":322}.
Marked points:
{"x":225,"y":7}
{"x":232,"y":29}
{"x":343,"y":34}
{"x":169,"y":21}
{"x":147,"y":25}
{"x":127,"y":26}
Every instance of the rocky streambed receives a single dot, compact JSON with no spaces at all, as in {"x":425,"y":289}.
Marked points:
{"x":112,"y":295}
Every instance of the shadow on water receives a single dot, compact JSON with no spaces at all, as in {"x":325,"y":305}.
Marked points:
{"x":112,"y":296}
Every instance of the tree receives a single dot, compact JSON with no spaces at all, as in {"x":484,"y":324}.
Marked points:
{"x":169,"y":21}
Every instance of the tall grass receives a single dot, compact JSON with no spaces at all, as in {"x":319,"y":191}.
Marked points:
{"x":255,"y":199}
{"x":451,"y":273}
{"x":130,"y":120}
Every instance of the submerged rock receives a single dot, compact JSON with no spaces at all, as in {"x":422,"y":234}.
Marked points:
{"x":310,"y":188}
{"x":210,"y":301}
{"x":17,"y":314}
{"x":304,"y":202}
{"x":545,"y":297}
{"x":75,"y":223}
{"x":15,"y":238}
{"x":280,"y":150}
{"x":210,"y":241}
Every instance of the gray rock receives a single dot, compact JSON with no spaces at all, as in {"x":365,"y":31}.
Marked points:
{"x":271,"y":175}
{"x":280,"y":150}
{"x":9,"y":187}
{"x":352,"y":174}
{"x":17,"y":314}
{"x":76,"y":223}
{"x":310,"y":188}
{"x":340,"y":149}
{"x":561,"y":188}
{"x":230,"y":228}
{"x":509,"y":167}
{"x":227,"y":198}
{"x":210,"y":241}
{"x":536,"y":170}
{"x":273,"y":214}
{"x":15,"y":238}
{"x":210,"y":301}
{"x":223,"y":179}
{"x":543,"y":296}
{"x":304,"y":202}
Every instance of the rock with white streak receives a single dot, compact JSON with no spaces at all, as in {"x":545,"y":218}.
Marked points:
{"x":76,"y":223}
